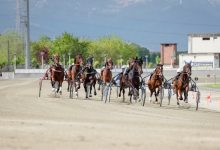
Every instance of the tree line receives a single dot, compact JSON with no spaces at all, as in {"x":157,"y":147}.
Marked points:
{"x":68,"y":45}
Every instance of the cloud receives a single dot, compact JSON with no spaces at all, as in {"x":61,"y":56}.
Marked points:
{"x":127,"y":3}
{"x":214,"y":2}
{"x":118,"y":5}
{"x":41,"y":3}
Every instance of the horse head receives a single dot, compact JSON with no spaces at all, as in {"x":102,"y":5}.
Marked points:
{"x":78,"y":60}
{"x":159,"y":70}
{"x":56,"y":58}
{"x":109,"y":63}
{"x":89,"y":62}
{"x":187,"y":68}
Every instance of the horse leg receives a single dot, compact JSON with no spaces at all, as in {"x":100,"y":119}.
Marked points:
{"x":60,"y":87}
{"x":129,"y":91}
{"x":180,"y":94}
{"x":85,"y":88}
{"x":77,"y":87}
{"x":130,"y":98}
{"x":178,"y":103}
{"x":119,"y":95}
{"x":186,"y":95}
{"x":157,"y":91}
{"x":53,"y":85}
{"x":123,"y":91}
{"x":68,"y":86}
{"x":94,"y":89}
{"x":90,"y":90}
{"x":151,"y":93}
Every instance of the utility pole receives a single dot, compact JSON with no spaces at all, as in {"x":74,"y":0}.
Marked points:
{"x":27,"y":36}
{"x":18,"y":15}
{"x":8,"y":57}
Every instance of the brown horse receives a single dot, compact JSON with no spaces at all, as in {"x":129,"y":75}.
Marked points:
{"x":131,"y":79}
{"x":155,"y":82}
{"x":56,"y":75}
{"x":106,"y":74}
{"x":74,"y":76}
{"x":181,"y":83}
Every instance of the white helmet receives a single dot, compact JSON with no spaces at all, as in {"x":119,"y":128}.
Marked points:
{"x":123,"y":67}
{"x":178,"y":70}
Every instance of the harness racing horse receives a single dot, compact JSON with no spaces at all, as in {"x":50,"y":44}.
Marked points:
{"x":106,"y":77}
{"x":106,"y":74}
{"x":74,"y":75}
{"x":181,"y":83}
{"x":56,"y":75}
{"x":131,"y":79}
{"x":89,"y":78}
{"x":155,"y":82}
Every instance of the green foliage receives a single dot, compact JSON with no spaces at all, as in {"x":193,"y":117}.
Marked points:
{"x":39,"y":48}
{"x":111,"y":47}
{"x":101,"y":49}
{"x":15,"y":43}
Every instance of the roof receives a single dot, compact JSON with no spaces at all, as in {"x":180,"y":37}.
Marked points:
{"x":204,"y":34}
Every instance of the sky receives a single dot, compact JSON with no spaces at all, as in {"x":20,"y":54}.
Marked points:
{"x":145,"y":22}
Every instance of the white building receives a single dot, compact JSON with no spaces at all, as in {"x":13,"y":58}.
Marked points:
{"x":203,"y":51}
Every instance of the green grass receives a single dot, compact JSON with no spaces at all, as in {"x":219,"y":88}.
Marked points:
{"x":216,"y":86}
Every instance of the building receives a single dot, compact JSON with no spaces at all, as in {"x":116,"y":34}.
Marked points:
{"x":203,"y":51}
{"x":168,"y":53}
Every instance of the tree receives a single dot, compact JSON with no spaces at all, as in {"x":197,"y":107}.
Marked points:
{"x":37,"y":48}
{"x":15,"y":42}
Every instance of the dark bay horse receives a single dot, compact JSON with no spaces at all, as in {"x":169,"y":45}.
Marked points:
{"x":74,"y":75}
{"x":89,"y":77}
{"x":131,"y":79}
{"x":181,"y":83}
{"x":56,"y":75}
{"x":155,"y":82}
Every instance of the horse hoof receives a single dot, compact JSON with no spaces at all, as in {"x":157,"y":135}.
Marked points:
{"x":90,"y":95}
{"x":95,"y":93}
{"x":178,"y":103}
{"x":181,"y":98}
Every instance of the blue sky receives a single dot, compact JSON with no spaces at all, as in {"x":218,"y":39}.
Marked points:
{"x":145,"y":22}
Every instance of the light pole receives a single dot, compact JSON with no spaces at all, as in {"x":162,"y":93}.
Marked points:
{"x":64,"y":59}
{"x":69,"y":57}
{"x":15,"y":59}
{"x":146,"y":57}
{"x":42,"y":59}
{"x":121,"y":61}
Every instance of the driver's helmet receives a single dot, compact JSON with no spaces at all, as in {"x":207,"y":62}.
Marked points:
{"x":123,"y":68}
{"x":178,"y":70}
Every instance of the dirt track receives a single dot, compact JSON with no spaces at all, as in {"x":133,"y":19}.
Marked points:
{"x":29,"y":122}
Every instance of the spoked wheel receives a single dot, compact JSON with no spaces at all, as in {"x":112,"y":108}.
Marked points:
{"x":40,"y":86}
{"x":197,"y":99}
{"x":161,"y":95}
{"x":169,"y":95}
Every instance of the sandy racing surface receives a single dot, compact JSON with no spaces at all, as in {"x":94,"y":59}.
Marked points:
{"x":59,"y":123}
